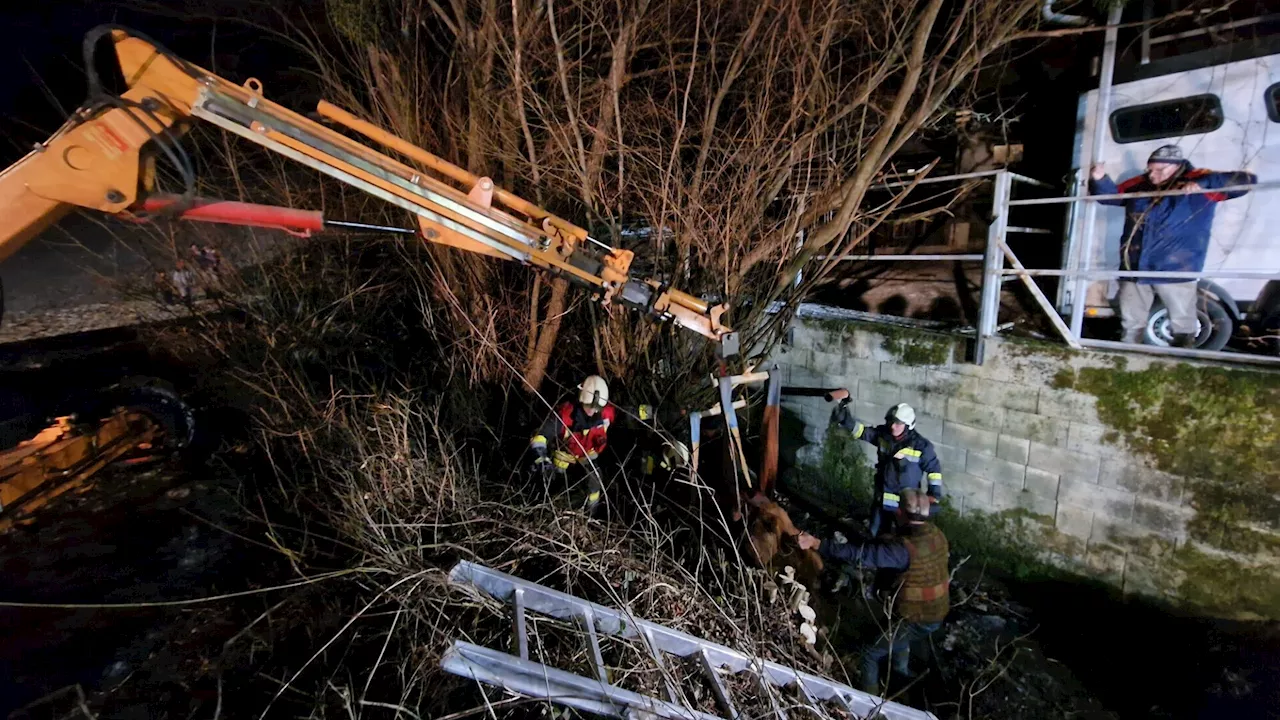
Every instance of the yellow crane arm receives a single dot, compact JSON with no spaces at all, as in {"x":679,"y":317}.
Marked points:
{"x":102,"y":160}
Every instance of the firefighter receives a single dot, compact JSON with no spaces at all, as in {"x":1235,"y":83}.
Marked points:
{"x":922,"y":597}
{"x":576,"y":433}
{"x":673,"y":458}
{"x":1168,"y":234}
{"x":905,"y":459}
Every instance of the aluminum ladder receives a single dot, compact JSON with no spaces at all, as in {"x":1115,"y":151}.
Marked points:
{"x":521,"y":675}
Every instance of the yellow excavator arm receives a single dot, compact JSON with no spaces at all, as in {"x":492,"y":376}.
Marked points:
{"x":103,"y":159}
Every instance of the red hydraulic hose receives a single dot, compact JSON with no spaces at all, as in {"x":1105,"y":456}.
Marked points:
{"x":291,"y":220}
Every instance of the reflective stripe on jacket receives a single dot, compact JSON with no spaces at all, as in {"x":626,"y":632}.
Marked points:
{"x":572,"y":430}
{"x":908,"y":462}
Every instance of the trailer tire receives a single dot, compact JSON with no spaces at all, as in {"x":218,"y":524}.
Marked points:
{"x":160,"y":401}
{"x":1216,"y":326}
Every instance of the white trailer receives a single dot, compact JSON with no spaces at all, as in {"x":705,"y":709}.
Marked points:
{"x":1224,"y":117}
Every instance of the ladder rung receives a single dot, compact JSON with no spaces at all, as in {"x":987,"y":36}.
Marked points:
{"x":522,"y":633}
{"x":722,"y":694}
{"x":771,"y":693}
{"x":808,"y":696}
{"x":656,"y":654}
{"x":587,"y":619}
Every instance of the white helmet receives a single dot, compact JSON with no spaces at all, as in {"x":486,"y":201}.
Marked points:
{"x":902,"y":413}
{"x":594,"y":392}
{"x":675,"y":454}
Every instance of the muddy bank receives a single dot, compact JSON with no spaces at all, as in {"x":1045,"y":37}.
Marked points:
{"x":1008,"y":649}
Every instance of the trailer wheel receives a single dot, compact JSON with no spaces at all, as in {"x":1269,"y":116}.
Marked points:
{"x":1215,"y":325}
{"x":161,"y":402}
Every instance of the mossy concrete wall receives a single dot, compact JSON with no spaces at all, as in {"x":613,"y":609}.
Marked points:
{"x":1151,"y":476}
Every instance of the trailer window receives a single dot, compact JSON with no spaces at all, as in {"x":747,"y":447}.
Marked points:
{"x":1170,"y":118}
{"x":1272,"y":98}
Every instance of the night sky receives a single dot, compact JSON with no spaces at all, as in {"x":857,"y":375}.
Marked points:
{"x":43,"y":75}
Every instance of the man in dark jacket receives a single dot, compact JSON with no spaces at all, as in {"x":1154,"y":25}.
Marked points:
{"x":922,"y":598}
{"x":1165,"y":234}
{"x":905,"y":459}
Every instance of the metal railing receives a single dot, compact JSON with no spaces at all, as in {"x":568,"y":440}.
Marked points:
{"x":1080,"y":271}
{"x":1001,"y":264}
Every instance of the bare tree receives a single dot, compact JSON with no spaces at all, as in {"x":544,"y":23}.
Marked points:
{"x":720,"y":131}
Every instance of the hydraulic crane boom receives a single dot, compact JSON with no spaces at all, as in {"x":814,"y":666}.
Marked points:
{"x":103,"y":159}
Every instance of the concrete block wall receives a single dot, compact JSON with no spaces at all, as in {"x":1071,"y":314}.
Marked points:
{"x":1007,"y":440}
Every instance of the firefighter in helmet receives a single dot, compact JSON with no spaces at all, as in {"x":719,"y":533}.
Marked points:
{"x":905,"y":460}
{"x":576,"y":433}
{"x":671,"y":460}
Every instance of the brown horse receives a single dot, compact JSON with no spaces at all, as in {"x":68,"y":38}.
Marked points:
{"x":770,"y":542}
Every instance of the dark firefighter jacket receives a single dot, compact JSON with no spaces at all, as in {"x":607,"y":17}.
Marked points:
{"x":1169,"y":234}
{"x":923,"y":595}
{"x":906,"y":463}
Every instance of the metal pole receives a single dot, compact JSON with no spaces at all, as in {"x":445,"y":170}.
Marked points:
{"x":1146,"y":32}
{"x":937,"y":179}
{"x":906,"y":258}
{"x":799,"y":247}
{"x":1238,"y":357}
{"x":993,"y":263}
{"x":1085,"y":249}
{"x":1264,"y":185}
{"x":695,"y":439}
{"x":1158,"y":39}
{"x":1049,"y":310}
{"x":1070,"y":257}
{"x":1170,"y":274}
{"x":960,"y":176}
{"x":372,"y":228}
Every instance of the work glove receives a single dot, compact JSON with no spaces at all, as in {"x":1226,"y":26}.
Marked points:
{"x":561,"y":461}
{"x":645,"y":412}
{"x":542,"y":467}
{"x":841,"y":415}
